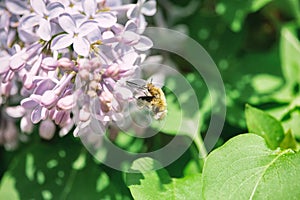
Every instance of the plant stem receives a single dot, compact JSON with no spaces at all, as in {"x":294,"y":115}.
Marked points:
{"x":201,"y":147}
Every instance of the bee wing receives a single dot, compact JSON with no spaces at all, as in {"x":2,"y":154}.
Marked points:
{"x":157,"y":79}
{"x":137,"y":84}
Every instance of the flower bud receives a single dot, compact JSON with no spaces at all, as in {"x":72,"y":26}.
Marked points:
{"x":106,"y":99}
{"x":47,"y":129}
{"x":65,"y":64}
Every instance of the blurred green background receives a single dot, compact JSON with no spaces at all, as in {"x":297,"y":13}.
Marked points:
{"x":255,"y":44}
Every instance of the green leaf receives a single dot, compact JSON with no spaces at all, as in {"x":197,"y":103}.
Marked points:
{"x":292,"y":123}
{"x":235,"y":11}
{"x":266,"y":83}
{"x":7,"y":188}
{"x":149,"y":182}
{"x":245,"y":168}
{"x":289,"y":141}
{"x":258,"y":4}
{"x":263,"y":124}
{"x":289,"y":53}
{"x":291,"y":118}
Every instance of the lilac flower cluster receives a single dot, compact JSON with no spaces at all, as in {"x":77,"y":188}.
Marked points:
{"x":64,"y":62}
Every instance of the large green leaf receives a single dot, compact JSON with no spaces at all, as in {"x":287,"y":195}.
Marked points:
{"x":263,"y":124}
{"x":245,"y":168}
{"x":146,"y":182}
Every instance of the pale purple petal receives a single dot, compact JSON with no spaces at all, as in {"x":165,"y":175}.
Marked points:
{"x":113,"y":3}
{"x":11,"y":36}
{"x":132,"y":12}
{"x":66,"y":103}
{"x":144,"y":44}
{"x":108,"y":34}
{"x":130,"y":26}
{"x":27,"y":36}
{"x":55,"y":9}
{"x":16,"y":62}
{"x":4,"y":19}
{"x":5,"y":88}
{"x":28,"y":21}
{"x":142,"y":24}
{"x":4,"y":64}
{"x":47,"y":129}
{"x":123,"y":92}
{"x":81,"y":128}
{"x":86,"y":27}
{"x":36,"y":98}
{"x":15,"y":111}
{"x":38,"y":6}
{"x":33,"y":51}
{"x":43,"y":86}
{"x":130,"y":37}
{"x":76,"y":131}
{"x":106,"y":19}
{"x":44,"y":113}
{"x":36,"y":66}
{"x":62,"y":41}
{"x":57,"y":116}
{"x":79,"y":19}
{"x":49,"y":63}
{"x":49,"y":98}
{"x":81,"y":46}
{"x":149,"y":8}
{"x":17,"y":7}
{"x":84,"y":115}
{"x":67,"y":23}
{"x":44,"y":30}
{"x":36,"y":115}
{"x":28,"y":81}
{"x":89,"y":7}
{"x":66,"y":128}
{"x":62,"y":117}
{"x":26,"y":125}
{"x":28,"y":103}
{"x":95,"y":35}
{"x":8,"y":77}
{"x":130,"y":58}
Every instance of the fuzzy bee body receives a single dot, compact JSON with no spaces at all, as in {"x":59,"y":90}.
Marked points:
{"x":154,"y":100}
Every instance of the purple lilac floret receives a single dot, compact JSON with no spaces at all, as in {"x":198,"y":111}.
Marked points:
{"x":64,"y":63}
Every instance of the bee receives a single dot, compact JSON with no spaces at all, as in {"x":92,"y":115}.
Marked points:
{"x":154,"y":99}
